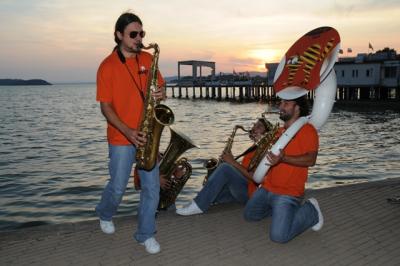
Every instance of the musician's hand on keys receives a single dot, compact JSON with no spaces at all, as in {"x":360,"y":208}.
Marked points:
{"x":137,"y":137}
{"x":159,"y":94}
{"x":227,"y":157}
{"x":274,"y":159}
{"x":165,"y":183}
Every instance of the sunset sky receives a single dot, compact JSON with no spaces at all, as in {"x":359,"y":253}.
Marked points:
{"x":65,"y":40}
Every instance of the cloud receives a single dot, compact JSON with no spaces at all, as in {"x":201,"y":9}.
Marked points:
{"x":68,"y":35}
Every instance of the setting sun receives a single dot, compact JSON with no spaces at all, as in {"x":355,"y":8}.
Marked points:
{"x":263,"y":56}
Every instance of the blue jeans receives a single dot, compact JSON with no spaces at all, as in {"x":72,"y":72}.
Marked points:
{"x":122,"y":159}
{"x":289,"y":217}
{"x":226,"y":184}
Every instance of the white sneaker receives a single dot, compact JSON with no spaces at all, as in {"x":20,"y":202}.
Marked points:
{"x":320,"y":223}
{"x":107,"y":227}
{"x":151,"y":245}
{"x":189,"y":210}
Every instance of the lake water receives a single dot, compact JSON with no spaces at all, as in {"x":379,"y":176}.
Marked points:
{"x":53,"y":156}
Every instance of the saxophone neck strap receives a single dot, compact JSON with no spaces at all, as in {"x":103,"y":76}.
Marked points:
{"x":123,"y":61}
{"x":250,"y":149}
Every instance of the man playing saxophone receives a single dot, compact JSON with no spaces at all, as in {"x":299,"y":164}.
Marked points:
{"x":231,"y":181}
{"x":121,"y":89}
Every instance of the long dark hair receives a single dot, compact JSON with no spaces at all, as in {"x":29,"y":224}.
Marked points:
{"x":122,"y":22}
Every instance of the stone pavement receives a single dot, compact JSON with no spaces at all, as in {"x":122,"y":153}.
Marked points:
{"x":361,"y":228}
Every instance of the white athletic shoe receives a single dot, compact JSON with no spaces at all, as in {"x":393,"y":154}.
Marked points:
{"x":189,"y":210}
{"x":107,"y":227}
{"x":320,"y":223}
{"x":151,"y":245}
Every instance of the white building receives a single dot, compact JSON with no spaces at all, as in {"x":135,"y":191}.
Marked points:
{"x":369,"y":76}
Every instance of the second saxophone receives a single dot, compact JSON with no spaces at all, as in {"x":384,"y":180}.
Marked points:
{"x":212,"y":163}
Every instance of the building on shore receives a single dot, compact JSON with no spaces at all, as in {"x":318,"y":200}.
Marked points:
{"x":374,"y":76}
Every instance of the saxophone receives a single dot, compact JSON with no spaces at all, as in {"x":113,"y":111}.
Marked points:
{"x":177,"y":171}
{"x":264,"y":143}
{"x":212,"y":163}
{"x":154,"y":117}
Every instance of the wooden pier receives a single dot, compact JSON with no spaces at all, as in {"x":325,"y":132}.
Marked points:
{"x":255,"y":93}
{"x":223,"y":93}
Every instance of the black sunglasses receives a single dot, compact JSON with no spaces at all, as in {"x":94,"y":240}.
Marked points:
{"x":134,"y":34}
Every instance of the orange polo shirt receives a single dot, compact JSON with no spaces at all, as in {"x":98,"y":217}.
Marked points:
{"x":252,"y":186}
{"x":116,"y":86}
{"x":286,"y":179}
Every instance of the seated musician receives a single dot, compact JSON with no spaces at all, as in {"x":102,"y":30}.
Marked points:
{"x":231,"y":181}
{"x":165,"y":182}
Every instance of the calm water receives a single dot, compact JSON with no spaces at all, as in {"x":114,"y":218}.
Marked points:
{"x":53,"y":156}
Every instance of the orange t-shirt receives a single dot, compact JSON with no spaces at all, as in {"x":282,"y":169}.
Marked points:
{"x":116,"y":86}
{"x":252,"y":186}
{"x":287,"y":179}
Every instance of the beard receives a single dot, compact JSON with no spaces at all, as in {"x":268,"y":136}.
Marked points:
{"x":134,"y":49}
{"x":285,"y":116}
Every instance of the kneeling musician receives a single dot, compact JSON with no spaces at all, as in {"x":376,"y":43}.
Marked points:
{"x":231,"y":181}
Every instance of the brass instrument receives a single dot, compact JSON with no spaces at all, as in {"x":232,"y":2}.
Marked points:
{"x":212,"y":163}
{"x":265,"y":142}
{"x":154,"y":117}
{"x":170,"y":167}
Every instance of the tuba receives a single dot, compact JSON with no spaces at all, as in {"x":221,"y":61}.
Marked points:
{"x":308,"y":65}
{"x":177,"y":171}
{"x":212,"y":163}
{"x":154,"y":117}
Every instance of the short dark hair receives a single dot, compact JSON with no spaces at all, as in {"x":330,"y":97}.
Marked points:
{"x":123,"y":21}
{"x":302,"y":102}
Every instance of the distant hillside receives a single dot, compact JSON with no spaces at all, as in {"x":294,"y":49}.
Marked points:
{"x":20,"y":82}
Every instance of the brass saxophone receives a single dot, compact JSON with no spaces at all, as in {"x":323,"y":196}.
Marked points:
{"x":212,"y":163}
{"x":169,"y":167}
{"x":264,"y":143}
{"x":154,"y":117}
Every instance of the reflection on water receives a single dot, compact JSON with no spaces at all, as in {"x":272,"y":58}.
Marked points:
{"x":53,"y":157}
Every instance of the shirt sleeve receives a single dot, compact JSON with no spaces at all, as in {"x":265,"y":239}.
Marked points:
{"x":161,"y":81}
{"x":309,"y":139}
{"x":104,"y":84}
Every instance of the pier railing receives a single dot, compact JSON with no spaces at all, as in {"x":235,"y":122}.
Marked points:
{"x":249,"y":93}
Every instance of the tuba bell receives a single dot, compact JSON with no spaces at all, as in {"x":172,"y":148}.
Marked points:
{"x":176,"y":171}
{"x":155,"y":117}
